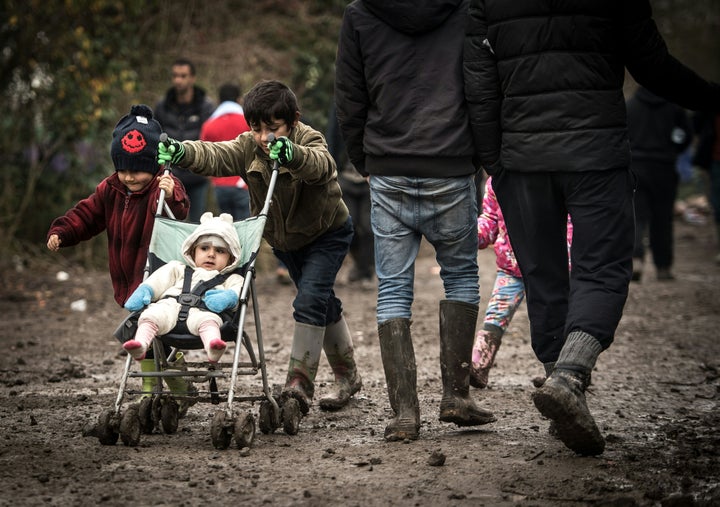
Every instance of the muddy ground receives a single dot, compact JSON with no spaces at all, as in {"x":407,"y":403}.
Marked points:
{"x":655,"y":397}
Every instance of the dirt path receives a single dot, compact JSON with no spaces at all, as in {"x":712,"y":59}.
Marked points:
{"x":655,"y":397}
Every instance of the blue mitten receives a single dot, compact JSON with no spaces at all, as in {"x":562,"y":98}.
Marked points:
{"x":140,"y":298}
{"x":218,"y":300}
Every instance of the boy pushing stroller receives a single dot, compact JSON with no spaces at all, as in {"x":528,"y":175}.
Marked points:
{"x":308,"y":226}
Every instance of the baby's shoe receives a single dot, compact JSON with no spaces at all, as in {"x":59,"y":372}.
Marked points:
{"x":144,"y":335}
{"x":215,"y":349}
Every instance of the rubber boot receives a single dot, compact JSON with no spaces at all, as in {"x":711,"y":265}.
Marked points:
{"x":487,"y":343}
{"x":398,"y":357}
{"x":457,"y":332}
{"x":148,"y":383}
{"x":562,"y":397}
{"x":338,"y":347}
{"x":180,"y":386}
{"x":212,"y":343}
{"x":138,"y":346}
{"x":304,"y":360}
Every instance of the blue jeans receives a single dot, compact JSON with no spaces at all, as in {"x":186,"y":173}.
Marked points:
{"x":233,"y":200}
{"x":444,"y":211}
{"x":313,"y":270}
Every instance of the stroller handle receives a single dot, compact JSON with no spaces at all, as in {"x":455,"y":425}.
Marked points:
{"x":162,"y":205}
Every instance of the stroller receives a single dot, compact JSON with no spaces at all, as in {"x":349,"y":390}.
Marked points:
{"x":161,"y":408}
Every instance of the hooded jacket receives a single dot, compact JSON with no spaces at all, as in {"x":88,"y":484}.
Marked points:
{"x":168,"y":280}
{"x":399,"y":88}
{"x":544,"y":81}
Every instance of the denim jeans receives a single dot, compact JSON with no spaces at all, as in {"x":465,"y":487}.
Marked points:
{"x":313,"y":270}
{"x":444,"y":211}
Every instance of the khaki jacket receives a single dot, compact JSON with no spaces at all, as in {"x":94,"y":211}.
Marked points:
{"x":307,"y":201}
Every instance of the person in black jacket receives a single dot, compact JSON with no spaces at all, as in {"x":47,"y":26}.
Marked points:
{"x":401,"y":110}
{"x":659,"y":131}
{"x":544,"y":83}
{"x":182,"y":112}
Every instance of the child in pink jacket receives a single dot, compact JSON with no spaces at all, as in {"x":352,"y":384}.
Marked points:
{"x":508,"y":291}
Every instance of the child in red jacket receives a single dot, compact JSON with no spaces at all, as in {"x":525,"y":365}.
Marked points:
{"x":124,"y":205}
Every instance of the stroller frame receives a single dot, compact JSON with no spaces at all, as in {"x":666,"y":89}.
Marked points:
{"x":161,"y":407}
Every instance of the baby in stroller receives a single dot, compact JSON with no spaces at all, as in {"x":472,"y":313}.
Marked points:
{"x":191,"y":294}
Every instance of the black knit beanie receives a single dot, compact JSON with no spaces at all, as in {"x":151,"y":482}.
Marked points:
{"x":135,"y":141}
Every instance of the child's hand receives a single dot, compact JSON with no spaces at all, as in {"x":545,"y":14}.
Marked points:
{"x":54,"y":243}
{"x":140,"y":298}
{"x":281,"y":150}
{"x":218,"y":300}
{"x":168,"y":185}
{"x":170,"y":151}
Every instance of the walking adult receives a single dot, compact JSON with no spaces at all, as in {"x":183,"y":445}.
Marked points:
{"x":410,"y":133}
{"x":226,"y":123}
{"x":181,"y":112}
{"x":544,"y":82}
{"x":659,"y":132}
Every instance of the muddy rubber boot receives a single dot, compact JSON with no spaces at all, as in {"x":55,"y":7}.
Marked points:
{"x":398,"y":357}
{"x":304,"y":360}
{"x":180,"y":386}
{"x":457,"y":332}
{"x":338,"y":347}
{"x":562,"y":397}
{"x":487,"y":343}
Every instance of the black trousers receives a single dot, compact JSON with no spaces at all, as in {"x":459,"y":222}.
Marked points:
{"x":356,"y":195}
{"x":592,"y":295}
{"x":657,"y":185}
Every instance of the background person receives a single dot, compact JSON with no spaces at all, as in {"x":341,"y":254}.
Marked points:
{"x":226,"y":123}
{"x":181,"y":113}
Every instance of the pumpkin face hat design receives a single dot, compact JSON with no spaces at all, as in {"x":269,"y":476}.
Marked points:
{"x":135,"y":141}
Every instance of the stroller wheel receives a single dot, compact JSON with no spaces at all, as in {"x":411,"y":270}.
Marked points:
{"x":244,"y":430}
{"x":219,"y":431}
{"x":106,"y":429}
{"x":291,"y":416}
{"x":130,"y":426}
{"x":145,"y":416}
{"x":267,"y":420}
{"x":169,"y":416}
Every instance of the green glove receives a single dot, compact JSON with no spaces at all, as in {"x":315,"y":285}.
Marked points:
{"x":281,"y":150}
{"x":170,"y":151}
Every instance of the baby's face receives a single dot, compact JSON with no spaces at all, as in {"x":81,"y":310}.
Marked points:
{"x":260,"y":132}
{"x":210,"y":257}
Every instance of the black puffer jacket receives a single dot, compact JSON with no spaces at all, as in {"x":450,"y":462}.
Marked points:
{"x":544,"y":81}
{"x":399,"y":88}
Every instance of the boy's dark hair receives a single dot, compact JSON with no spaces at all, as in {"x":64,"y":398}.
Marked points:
{"x":270,"y":99}
{"x":229,"y":92}
{"x":185,"y":61}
